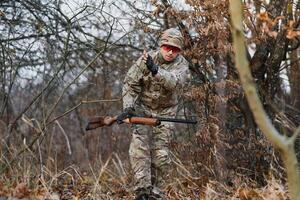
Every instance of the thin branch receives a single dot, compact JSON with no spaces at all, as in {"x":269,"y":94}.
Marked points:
{"x":26,"y":37}
{"x":292,"y":139}
{"x":78,"y":105}
{"x":66,"y":137}
{"x":4,"y":168}
{"x":81,"y":72}
{"x":47,"y":85}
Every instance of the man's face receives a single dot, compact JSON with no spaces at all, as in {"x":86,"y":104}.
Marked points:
{"x":169,"y":53}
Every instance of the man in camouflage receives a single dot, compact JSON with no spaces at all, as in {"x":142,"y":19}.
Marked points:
{"x":152,"y":87}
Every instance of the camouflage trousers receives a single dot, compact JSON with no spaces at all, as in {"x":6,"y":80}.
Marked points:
{"x":150,"y":158}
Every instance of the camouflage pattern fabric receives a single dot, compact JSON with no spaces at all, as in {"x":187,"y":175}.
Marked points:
{"x":152,"y":96}
{"x":149,"y":157}
{"x":140,"y":87}
{"x":172,"y":37}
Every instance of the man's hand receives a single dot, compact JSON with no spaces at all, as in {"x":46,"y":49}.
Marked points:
{"x":151,"y":66}
{"x":127,"y":113}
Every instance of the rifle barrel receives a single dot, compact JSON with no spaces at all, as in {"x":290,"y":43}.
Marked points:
{"x":176,"y":120}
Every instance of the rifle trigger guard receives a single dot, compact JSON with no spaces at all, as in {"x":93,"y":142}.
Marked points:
{"x":158,"y":122}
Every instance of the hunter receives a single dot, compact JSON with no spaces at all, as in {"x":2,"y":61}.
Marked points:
{"x":152,"y":87}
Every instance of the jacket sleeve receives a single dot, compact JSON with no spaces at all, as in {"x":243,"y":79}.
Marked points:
{"x":132,"y":84}
{"x":176,"y":78}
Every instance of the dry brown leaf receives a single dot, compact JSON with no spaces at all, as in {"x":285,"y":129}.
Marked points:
{"x":21,"y":191}
{"x":292,"y":34}
{"x":263,"y":16}
{"x":249,"y":194}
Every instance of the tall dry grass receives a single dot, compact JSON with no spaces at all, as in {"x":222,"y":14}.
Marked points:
{"x":28,"y":179}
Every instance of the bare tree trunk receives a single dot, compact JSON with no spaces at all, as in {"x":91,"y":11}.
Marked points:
{"x":284,"y":143}
{"x":294,"y":79}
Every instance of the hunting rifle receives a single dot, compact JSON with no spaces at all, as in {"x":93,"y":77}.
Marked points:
{"x":100,"y":121}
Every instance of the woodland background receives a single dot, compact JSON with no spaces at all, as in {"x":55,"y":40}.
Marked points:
{"x":62,"y":62}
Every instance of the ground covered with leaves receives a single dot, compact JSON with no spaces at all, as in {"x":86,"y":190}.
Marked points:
{"x":113,"y":181}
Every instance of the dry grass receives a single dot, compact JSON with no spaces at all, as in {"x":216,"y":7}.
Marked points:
{"x":112,"y":180}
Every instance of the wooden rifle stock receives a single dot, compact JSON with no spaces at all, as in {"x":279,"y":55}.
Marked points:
{"x":99,"y":121}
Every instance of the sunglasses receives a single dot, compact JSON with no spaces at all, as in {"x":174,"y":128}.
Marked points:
{"x":170,"y":48}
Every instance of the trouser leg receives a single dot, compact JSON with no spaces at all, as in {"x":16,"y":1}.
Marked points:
{"x":140,"y":159}
{"x":160,"y":156}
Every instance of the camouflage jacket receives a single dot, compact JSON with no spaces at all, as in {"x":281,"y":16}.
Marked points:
{"x":155,"y":93}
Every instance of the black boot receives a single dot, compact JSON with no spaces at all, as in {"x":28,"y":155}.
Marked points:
{"x":142,"y":197}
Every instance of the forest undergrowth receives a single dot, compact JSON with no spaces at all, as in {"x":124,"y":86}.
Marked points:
{"x":26,"y":180}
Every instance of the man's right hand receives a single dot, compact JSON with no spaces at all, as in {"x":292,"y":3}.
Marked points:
{"x":151,"y":66}
{"x":127,"y":113}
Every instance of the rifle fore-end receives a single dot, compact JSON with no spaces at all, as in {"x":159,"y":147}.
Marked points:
{"x":144,"y":121}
